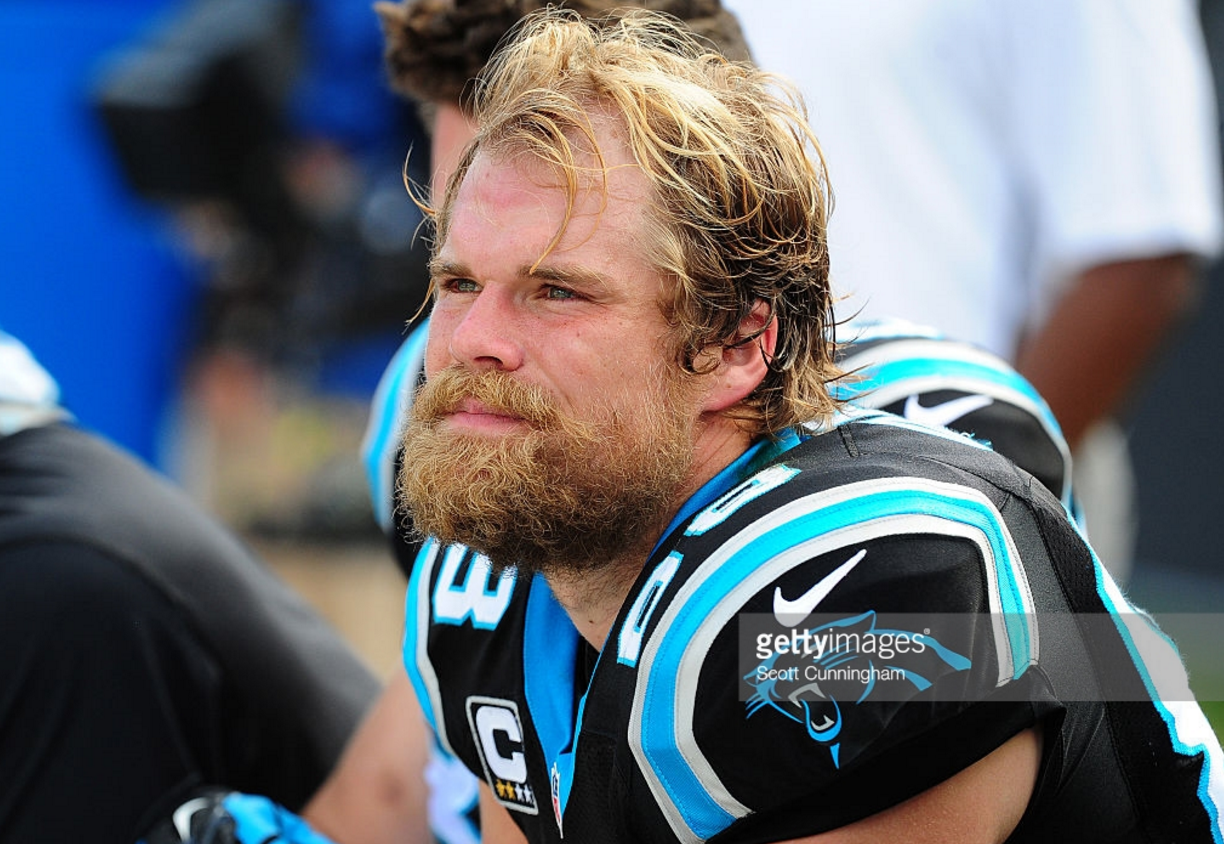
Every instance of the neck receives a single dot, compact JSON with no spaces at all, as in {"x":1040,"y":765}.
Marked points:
{"x":592,"y":599}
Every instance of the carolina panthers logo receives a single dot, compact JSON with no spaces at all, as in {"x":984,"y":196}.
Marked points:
{"x":817,"y":676}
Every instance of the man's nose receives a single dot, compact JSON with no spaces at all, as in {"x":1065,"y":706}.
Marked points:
{"x":485,"y":336}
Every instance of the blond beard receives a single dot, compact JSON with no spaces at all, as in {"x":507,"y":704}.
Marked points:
{"x":564,"y":495}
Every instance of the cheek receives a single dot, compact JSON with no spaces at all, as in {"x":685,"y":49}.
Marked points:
{"x":624,"y":384}
{"x":583,"y":379}
{"x":437,"y":347}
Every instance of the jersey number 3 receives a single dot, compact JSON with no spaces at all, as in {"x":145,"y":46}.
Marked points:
{"x":468,"y":590}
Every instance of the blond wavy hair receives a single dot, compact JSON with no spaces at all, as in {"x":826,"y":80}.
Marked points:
{"x":740,"y":183}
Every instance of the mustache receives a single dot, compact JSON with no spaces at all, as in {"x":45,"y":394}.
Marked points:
{"x":443,"y":394}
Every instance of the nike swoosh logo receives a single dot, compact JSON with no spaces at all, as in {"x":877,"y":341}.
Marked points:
{"x":792,"y":613}
{"x":943,"y":415}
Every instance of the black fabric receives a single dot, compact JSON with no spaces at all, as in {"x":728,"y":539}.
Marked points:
{"x":146,"y":652}
{"x":1010,"y":430}
{"x":109,"y":700}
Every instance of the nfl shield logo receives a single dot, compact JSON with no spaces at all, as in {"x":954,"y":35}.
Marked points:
{"x":554,"y":783}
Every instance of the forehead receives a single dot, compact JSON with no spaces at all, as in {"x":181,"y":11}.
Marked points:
{"x":602,"y":195}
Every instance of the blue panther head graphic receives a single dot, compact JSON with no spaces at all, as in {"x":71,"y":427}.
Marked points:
{"x":844,"y":666}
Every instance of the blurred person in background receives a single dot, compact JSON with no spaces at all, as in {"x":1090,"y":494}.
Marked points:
{"x":263,"y":130}
{"x":1040,"y":179}
{"x":145,"y":653}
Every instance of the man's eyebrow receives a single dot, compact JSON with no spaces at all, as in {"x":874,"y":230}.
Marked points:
{"x":438,"y":268}
{"x":577,"y":276}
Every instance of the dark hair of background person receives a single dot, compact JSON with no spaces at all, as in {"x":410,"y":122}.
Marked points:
{"x":436,"y":48}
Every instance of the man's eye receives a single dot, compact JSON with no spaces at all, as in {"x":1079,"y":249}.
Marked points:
{"x":460,"y":285}
{"x":560,"y":293}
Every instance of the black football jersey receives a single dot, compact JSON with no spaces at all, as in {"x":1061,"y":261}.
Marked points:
{"x":838,"y":621}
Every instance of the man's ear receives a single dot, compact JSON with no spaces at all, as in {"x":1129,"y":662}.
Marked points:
{"x":744,"y":364}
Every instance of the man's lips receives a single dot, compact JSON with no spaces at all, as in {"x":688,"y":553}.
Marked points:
{"x":475,"y":416}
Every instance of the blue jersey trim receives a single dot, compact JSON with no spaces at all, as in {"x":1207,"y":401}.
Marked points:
{"x":388,"y":410}
{"x":548,"y":683}
{"x":759,"y":453}
{"x":895,"y":372}
{"x":421,"y":568}
{"x":258,"y":818}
